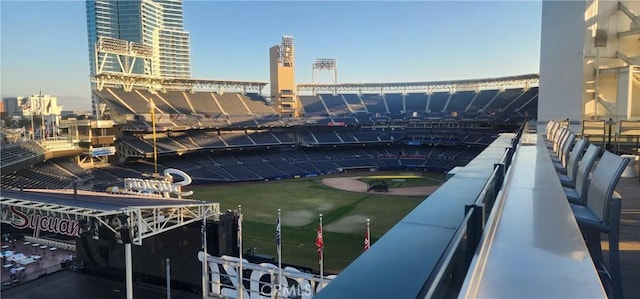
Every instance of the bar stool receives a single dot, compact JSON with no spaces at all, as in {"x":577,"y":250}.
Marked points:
{"x":629,"y":171}
{"x":569,"y":179}
{"x":601,"y":214}
{"x":577,"y":195}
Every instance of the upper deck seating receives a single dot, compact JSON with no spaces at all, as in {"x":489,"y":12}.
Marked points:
{"x":374,"y":103}
{"x":502,"y":100}
{"x":354,"y":103}
{"x":232,"y":104}
{"x":521,"y":100}
{"x":131,"y":99}
{"x":460,"y":100}
{"x":257,"y":104}
{"x":162,"y":105}
{"x":335,"y":104}
{"x":177,"y":100}
{"x":481,"y":100}
{"x":395,"y":102}
{"x":437,"y":101}
{"x":313,"y":106}
{"x":415,"y":102}
{"x":204,"y":103}
{"x":113,"y":101}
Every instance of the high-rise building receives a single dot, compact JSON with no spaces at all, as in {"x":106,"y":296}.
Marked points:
{"x":154,"y":23}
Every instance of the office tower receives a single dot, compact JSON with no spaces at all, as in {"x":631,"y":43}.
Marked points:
{"x":154,"y":23}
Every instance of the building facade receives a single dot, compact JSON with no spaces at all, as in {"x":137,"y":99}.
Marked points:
{"x":10,"y":106}
{"x":154,"y":23}
{"x":590,"y":70}
{"x":282,"y":74}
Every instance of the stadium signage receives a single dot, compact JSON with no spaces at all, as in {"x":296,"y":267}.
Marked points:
{"x":165,"y":187}
{"x":337,"y":124}
{"x":262,"y":279}
{"x":45,"y":223}
{"x":103,"y":151}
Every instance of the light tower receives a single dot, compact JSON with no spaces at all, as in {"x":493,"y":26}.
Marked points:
{"x":281,"y":58}
{"x":328,"y":64}
{"x":321,"y":64}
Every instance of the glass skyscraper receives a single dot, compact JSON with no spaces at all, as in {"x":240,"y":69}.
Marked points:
{"x":154,"y":23}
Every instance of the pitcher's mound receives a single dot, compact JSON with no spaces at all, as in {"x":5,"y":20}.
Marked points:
{"x":354,"y":185}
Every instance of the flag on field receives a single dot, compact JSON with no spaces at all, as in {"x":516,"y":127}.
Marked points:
{"x":278,"y":232}
{"x":367,"y":237}
{"x":319,"y":240}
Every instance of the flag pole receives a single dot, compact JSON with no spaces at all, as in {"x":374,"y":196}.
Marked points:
{"x":41,"y":104}
{"x":152,"y":106}
{"x":53,"y":119}
{"x":279,"y":228}
{"x":33,"y":129}
{"x":205,"y":274}
{"x":368,"y":236}
{"x":240,"y":285}
{"x":321,"y":257}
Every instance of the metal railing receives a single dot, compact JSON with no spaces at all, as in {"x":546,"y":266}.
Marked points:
{"x":451,"y":269}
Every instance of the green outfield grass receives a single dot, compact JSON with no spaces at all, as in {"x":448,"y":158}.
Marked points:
{"x":301,"y":202}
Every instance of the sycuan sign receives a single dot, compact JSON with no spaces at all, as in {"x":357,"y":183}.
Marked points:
{"x":38,"y":223}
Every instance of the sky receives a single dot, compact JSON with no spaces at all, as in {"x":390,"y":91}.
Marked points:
{"x":43,"y":44}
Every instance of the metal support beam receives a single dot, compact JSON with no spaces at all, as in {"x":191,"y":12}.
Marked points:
{"x":146,"y":221}
{"x":632,"y":15}
{"x":129,"y":270}
{"x":629,"y":33}
{"x":459,"y":85}
{"x":629,"y":60}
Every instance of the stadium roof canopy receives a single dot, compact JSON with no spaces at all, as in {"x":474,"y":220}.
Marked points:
{"x":147,"y":216}
{"x":128,"y":81}
{"x":525,"y":81}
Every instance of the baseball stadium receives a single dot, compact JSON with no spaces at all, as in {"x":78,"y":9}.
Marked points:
{"x":308,"y":149}
{"x":343,"y":164}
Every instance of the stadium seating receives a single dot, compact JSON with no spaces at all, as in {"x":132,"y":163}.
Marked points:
{"x":460,"y":100}
{"x":415,"y":102}
{"x":354,"y":103}
{"x":437,"y":102}
{"x":375,"y":104}
{"x":395,"y":103}
{"x":313,"y":106}
{"x":357,"y":130}
{"x":204,"y":103}
{"x":335,"y":104}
